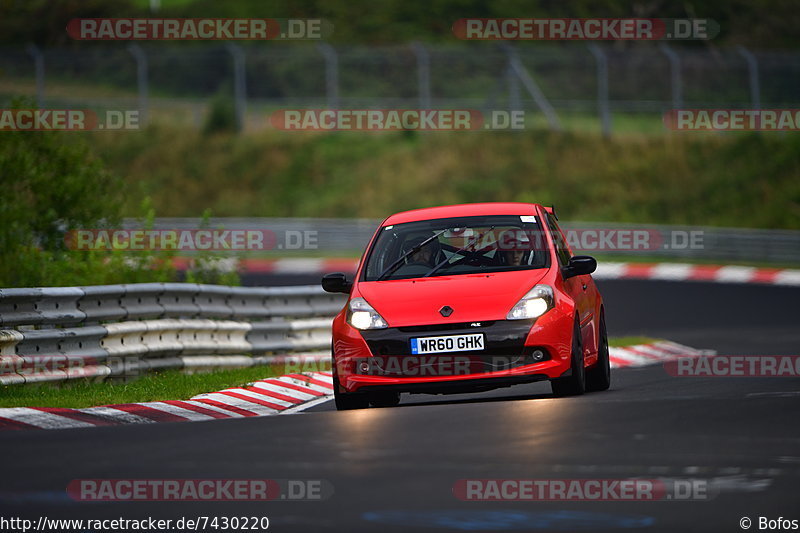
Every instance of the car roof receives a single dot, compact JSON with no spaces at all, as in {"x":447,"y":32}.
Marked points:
{"x":463,"y":210}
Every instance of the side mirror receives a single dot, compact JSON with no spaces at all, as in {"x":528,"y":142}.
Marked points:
{"x":579,"y":265}
{"x":336,"y":282}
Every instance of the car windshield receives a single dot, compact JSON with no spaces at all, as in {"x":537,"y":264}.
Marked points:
{"x":453,"y":246}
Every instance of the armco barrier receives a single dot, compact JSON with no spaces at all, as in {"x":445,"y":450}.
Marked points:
{"x":335,"y":236}
{"x":122,"y":330}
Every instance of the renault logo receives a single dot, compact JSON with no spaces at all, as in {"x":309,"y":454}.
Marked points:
{"x":446,"y":311}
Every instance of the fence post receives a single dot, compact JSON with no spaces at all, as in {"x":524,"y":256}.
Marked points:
{"x":602,"y":88}
{"x":423,"y":75}
{"x":239,"y":84}
{"x":141,"y":79}
{"x":512,"y":81}
{"x":752,"y":71}
{"x":38,"y":63}
{"x":331,"y":74}
{"x":675,"y":75}
{"x":516,"y":66}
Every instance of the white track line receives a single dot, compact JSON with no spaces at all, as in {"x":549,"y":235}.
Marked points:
{"x":177,"y":411}
{"x":661,"y":355}
{"x":672,"y":272}
{"x":630,"y":358}
{"x":42,"y":419}
{"x":735,"y":274}
{"x":271,"y":387}
{"x":231,"y":414}
{"x":123,"y":417}
{"x":262,"y":397}
{"x":309,"y":385}
{"x":307,"y":405}
{"x":236,"y":402}
{"x":788,"y":277}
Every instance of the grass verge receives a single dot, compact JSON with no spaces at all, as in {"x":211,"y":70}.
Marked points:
{"x":165,"y":385}
{"x":621,"y":342}
{"x":713,"y":180}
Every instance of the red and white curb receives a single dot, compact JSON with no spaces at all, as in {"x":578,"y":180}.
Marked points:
{"x":687,"y":272}
{"x":291,"y":393}
{"x":605,"y":270}
{"x":651,"y":354}
{"x":272,"y":396}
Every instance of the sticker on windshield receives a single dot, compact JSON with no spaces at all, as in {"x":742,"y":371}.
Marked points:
{"x":527,"y":218}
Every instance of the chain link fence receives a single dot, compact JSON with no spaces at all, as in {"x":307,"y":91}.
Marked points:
{"x":585,"y":85}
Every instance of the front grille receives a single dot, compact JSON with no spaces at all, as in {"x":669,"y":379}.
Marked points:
{"x":504,"y":338}
{"x":445,"y":327}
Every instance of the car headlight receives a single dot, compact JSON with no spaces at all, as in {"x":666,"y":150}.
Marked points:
{"x":363,"y":316}
{"x":534,"y":304}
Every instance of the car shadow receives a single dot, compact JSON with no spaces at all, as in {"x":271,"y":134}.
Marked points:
{"x":407,"y":401}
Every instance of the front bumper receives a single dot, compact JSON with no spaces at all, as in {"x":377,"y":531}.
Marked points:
{"x":382,"y":359}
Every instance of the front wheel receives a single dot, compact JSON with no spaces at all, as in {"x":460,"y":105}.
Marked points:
{"x":575,"y":383}
{"x":598,"y":378}
{"x":347,"y":401}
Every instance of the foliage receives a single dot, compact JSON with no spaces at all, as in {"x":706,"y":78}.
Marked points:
{"x":677,"y":178}
{"x":767,"y":23}
{"x":222,"y":113}
{"x":156,"y":386}
{"x":50,"y":185}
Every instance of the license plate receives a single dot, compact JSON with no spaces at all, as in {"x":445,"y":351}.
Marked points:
{"x":448,"y":343}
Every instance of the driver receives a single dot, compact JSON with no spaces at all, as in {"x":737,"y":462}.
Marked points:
{"x":423,"y":256}
{"x":513,"y":249}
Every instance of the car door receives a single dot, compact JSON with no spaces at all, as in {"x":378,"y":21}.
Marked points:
{"x":578,"y":288}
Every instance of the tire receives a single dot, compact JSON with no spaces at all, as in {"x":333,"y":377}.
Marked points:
{"x":384,"y":399}
{"x":347,"y":401}
{"x":598,"y":378}
{"x":575,"y":383}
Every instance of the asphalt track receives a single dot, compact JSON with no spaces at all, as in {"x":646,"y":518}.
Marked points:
{"x":394,"y":469}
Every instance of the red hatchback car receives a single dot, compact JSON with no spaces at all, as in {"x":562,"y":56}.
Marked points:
{"x":467,"y":298}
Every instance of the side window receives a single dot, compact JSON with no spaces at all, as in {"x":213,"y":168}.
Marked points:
{"x":561,"y":247}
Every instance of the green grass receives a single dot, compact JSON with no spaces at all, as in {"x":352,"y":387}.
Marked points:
{"x":165,"y":385}
{"x":733,"y":180}
{"x":145,"y":4}
{"x":620,"y":342}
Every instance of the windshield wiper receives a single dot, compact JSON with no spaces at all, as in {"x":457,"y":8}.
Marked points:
{"x":470,"y":244}
{"x":394,"y":266}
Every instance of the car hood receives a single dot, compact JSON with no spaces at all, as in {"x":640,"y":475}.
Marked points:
{"x":473,"y":297}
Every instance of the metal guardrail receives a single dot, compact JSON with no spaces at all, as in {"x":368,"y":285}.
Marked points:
{"x":716,"y":244}
{"x":122,"y":330}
